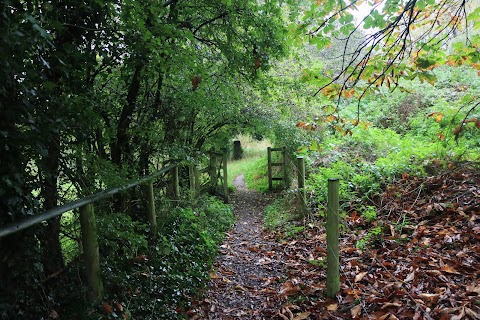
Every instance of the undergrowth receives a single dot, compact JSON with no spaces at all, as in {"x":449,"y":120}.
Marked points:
{"x":155,"y":279}
{"x":411,"y":133}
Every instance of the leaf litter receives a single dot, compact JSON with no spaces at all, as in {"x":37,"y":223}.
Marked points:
{"x":425,"y":264}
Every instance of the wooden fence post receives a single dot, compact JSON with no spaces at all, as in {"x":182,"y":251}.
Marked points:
{"x":191,"y":179}
{"x":237,"y":150}
{"x":197,"y":184}
{"x":301,"y":183}
{"x":150,"y":205}
{"x":225,"y":176}
{"x":333,"y":271}
{"x":175,"y":183}
{"x":91,"y":253}
{"x":213,"y":171}
{"x":269,"y":156}
{"x":284,"y":165}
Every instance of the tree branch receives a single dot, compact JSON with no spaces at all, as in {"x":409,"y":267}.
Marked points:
{"x":220,"y":16}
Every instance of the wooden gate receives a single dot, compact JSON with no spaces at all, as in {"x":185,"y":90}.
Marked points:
{"x":282,"y":164}
{"x":218,"y":174}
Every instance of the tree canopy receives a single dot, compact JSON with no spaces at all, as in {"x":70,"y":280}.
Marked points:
{"x":384,"y":41}
{"x":97,"y":92}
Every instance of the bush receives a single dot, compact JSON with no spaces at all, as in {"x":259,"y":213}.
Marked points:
{"x":147,"y":278}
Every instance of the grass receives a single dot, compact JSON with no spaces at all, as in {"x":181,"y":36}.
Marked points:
{"x":253,"y":165}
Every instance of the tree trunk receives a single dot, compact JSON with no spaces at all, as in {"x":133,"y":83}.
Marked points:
{"x":122,"y":139}
{"x":51,"y":249}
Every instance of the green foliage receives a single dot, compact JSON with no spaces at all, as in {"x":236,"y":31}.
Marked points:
{"x":121,"y":236}
{"x":256,"y":176}
{"x":378,"y":50}
{"x":284,"y":216}
{"x":411,"y":133}
{"x":155,"y":281}
{"x":276,"y":215}
{"x":369,"y":213}
{"x":372,"y":235}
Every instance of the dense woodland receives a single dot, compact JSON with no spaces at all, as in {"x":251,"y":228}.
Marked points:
{"x":383,"y":94}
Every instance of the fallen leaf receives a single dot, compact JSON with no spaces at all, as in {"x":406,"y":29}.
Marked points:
{"x":472,"y":314}
{"x":356,"y":311}
{"x":284,"y":317}
{"x":53,"y":314}
{"x":391,"y":304}
{"x":360,"y":276}
{"x":473,"y":288}
{"x":119,"y":307}
{"x":460,"y":315}
{"x":410,"y":277}
{"x":289,"y":289}
{"x":302,"y":316}
{"x":107,"y":308}
{"x":449,"y":269}
{"x":429,"y":298}
{"x":240,"y":288}
{"x":226,"y":280}
{"x":213,"y":275}
{"x":332,"y":307}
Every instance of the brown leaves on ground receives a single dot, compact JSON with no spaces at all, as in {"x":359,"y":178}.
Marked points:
{"x":425,"y":264}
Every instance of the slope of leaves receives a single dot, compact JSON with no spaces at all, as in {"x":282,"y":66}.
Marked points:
{"x":420,"y":263}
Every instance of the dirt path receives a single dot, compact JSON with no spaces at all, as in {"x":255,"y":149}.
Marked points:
{"x":246,"y":275}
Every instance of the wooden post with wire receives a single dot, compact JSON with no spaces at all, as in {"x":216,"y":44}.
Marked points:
{"x":91,"y":253}
{"x":333,"y":264}
{"x":149,"y":197}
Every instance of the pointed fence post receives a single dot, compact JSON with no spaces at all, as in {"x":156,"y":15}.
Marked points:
{"x":333,"y":270}
{"x":269,"y":156}
{"x":301,"y":183}
{"x":150,"y":205}
{"x":91,"y":253}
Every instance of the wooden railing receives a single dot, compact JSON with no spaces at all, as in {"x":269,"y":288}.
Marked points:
{"x":217,"y":170}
